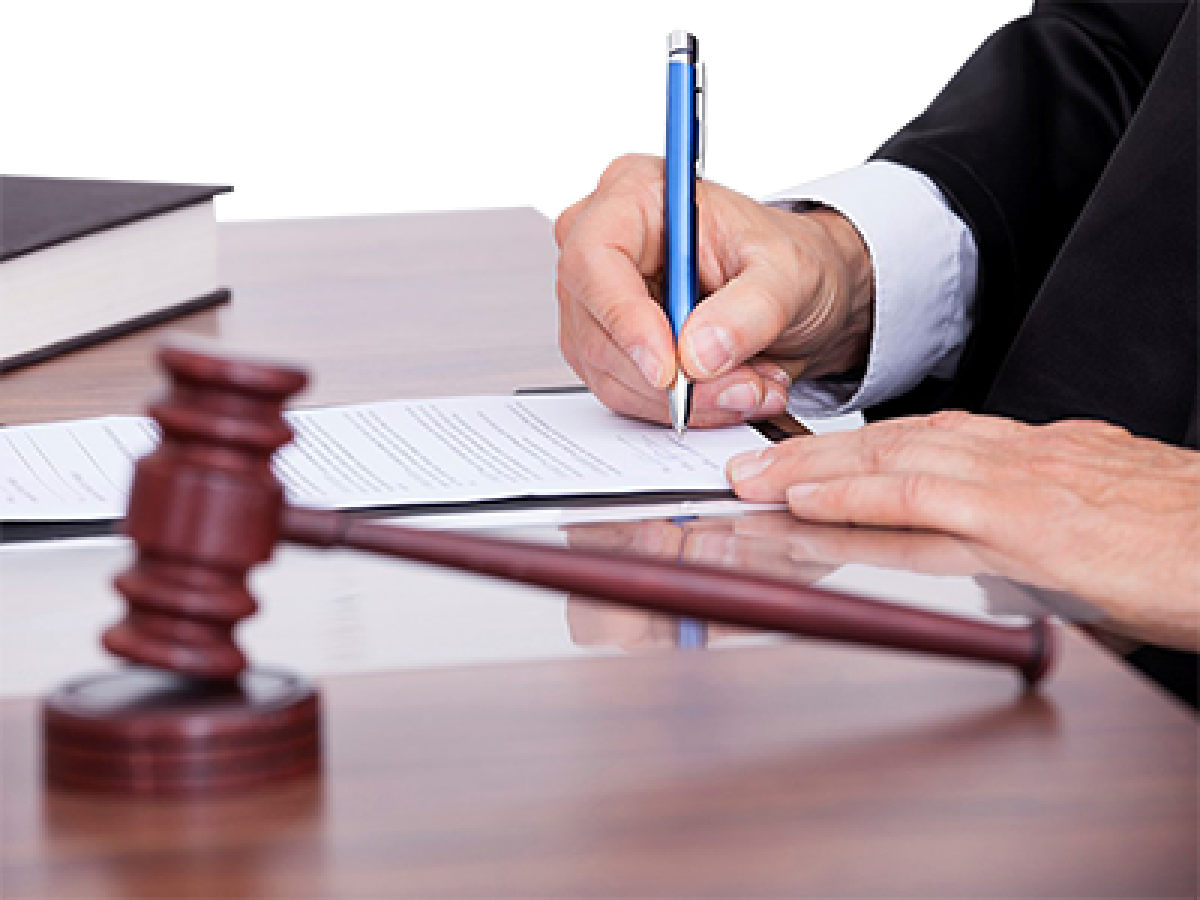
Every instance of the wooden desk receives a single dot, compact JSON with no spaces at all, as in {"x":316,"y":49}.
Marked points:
{"x":377,"y":306}
{"x":784,"y":771}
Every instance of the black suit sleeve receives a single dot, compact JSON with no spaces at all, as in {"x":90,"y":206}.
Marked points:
{"x":1017,"y":141}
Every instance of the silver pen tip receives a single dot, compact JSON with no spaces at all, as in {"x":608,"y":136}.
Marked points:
{"x":681,"y":402}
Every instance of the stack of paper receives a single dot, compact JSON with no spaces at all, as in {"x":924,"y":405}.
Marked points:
{"x":392,"y":454}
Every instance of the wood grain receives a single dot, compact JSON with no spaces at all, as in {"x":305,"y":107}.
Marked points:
{"x":801,"y":770}
{"x":796,"y":770}
{"x":376,"y":307}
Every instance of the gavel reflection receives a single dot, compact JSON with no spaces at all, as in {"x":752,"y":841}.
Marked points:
{"x":206,"y":507}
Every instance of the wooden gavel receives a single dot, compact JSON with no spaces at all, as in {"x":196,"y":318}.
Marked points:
{"x":206,"y":507}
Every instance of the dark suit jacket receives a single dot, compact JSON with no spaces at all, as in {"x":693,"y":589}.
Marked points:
{"x":1068,"y":145}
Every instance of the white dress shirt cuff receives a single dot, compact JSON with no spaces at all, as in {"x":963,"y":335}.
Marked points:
{"x":925,"y":264}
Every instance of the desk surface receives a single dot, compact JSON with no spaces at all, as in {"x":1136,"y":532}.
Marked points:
{"x":376,"y":306}
{"x":785,"y":770}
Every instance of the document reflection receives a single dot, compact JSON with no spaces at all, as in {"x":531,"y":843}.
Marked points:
{"x":907,"y":567}
{"x":714,"y":541}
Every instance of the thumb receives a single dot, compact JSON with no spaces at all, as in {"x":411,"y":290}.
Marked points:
{"x":736,"y":322}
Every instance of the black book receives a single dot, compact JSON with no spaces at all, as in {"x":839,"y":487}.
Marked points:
{"x":84,"y":260}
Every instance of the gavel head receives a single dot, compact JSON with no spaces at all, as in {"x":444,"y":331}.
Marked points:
{"x":205,"y":507}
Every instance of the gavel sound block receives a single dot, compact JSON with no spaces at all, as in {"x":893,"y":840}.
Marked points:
{"x":193,"y":717}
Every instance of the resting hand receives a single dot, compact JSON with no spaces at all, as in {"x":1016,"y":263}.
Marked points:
{"x":1076,"y":506}
{"x":787,"y":293}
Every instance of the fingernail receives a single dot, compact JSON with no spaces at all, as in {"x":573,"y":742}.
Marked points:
{"x":711,"y":349}
{"x":742,"y":398}
{"x":779,"y":375}
{"x":775,"y":402}
{"x":749,"y":465}
{"x":647,"y":364}
{"x":798,"y":494}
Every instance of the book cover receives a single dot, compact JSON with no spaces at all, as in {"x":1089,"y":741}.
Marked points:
{"x":82,"y":260}
{"x":36,"y":213}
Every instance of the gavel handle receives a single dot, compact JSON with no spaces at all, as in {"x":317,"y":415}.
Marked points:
{"x":701,"y":591}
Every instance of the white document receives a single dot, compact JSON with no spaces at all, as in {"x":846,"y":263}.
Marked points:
{"x":390,"y":453}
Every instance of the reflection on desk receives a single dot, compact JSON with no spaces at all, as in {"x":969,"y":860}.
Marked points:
{"x":327,"y":612}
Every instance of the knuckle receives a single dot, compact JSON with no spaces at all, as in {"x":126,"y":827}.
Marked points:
{"x":629,"y":165}
{"x":951,"y":419}
{"x":564,"y":222}
{"x":917,"y":492}
{"x":886,"y":449}
{"x":1085,"y":425}
{"x":614,"y":317}
{"x":1104,"y":430}
{"x":777,"y":255}
{"x":1053,"y":438}
{"x":1052,"y":467}
{"x":798,"y":261}
{"x":1085,"y":429}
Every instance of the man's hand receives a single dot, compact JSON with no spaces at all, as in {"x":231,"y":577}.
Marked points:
{"x":597,"y":623}
{"x":787,"y":294}
{"x":1082,"y":507}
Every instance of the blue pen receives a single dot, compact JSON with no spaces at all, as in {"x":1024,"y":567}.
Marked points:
{"x":685,"y":86}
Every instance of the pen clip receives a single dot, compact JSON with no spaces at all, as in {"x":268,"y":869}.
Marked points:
{"x":701,"y":117}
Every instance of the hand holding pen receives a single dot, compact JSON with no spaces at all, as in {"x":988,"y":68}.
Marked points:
{"x":784,"y":294}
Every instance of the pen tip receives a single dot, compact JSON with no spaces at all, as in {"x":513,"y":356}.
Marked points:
{"x":680,"y":402}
